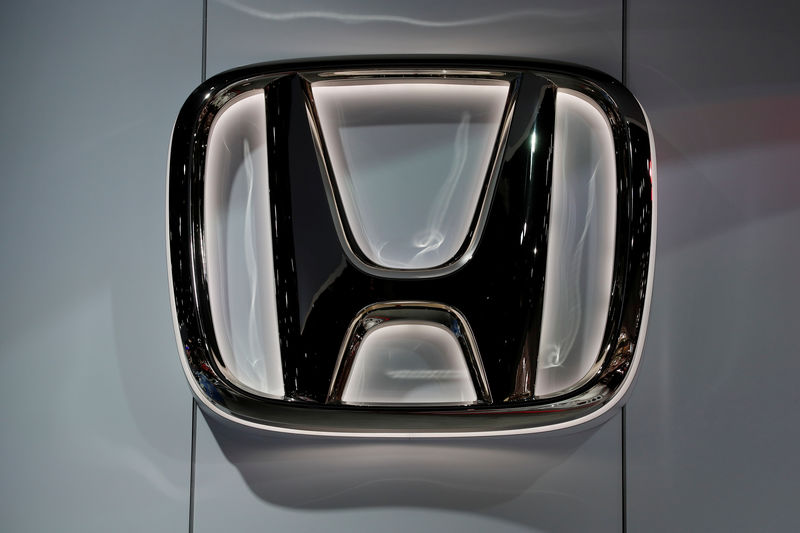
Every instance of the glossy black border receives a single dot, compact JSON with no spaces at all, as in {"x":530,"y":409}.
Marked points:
{"x":519,"y":410}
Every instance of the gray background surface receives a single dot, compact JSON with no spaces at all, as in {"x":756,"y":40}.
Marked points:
{"x":96,"y":415}
{"x":96,"y":419}
{"x":712,"y":426}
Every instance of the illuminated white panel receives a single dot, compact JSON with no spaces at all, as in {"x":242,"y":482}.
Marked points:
{"x":580,"y":249}
{"x":410,"y":159}
{"x":409,"y":363}
{"x":238,"y":231}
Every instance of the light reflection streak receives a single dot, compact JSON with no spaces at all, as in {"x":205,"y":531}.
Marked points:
{"x":354,"y":18}
{"x":431,"y":238}
{"x":254,"y":357}
{"x":580,"y":254}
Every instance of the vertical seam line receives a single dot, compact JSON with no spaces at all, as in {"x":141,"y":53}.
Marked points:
{"x":624,"y":42}
{"x":624,"y":476}
{"x":192,"y":466}
{"x":205,"y":40}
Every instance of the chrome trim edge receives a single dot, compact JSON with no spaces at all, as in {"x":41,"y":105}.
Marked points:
{"x":591,"y":406}
{"x":345,"y":360}
{"x":479,"y":218}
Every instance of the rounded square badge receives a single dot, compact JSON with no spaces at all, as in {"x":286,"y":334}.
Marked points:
{"x":411,"y":247}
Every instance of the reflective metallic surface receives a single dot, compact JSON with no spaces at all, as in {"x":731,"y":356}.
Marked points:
{"x":412,"y":317}
{"x":238,"y":239}
{"x":320,"y":288}
{"x":98,"y":432}
{"x":412,"y":160}
{"x":580,"y":251}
